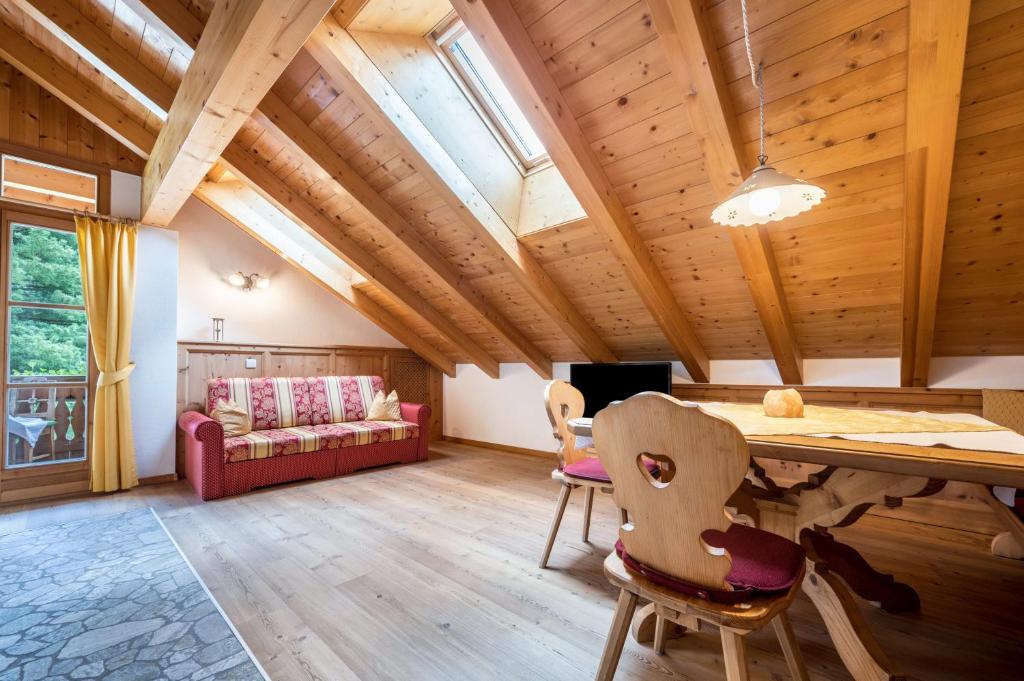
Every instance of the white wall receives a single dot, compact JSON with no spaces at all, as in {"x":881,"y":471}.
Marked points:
{"x":154,"y":331}
{"x":154,"y":350}
{"x":294,"y":310}
{"x":510,"y":410}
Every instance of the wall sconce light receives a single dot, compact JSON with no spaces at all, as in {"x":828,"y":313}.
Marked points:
{"x":248,"y":282}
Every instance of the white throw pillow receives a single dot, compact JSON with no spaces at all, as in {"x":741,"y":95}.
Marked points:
{"x":385,"y":408}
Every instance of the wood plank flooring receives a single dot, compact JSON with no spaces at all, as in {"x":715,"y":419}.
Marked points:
{"x":428,"y":572}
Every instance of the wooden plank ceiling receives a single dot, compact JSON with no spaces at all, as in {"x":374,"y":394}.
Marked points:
{"x":648,"y":136}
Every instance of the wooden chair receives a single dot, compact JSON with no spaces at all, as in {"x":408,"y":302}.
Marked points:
{"x":577,"y":466}
{"x":678,"y":549}
{"x":1005,"y":407}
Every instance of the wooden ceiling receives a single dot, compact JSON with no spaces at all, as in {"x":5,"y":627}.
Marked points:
{"x":647,"y":110}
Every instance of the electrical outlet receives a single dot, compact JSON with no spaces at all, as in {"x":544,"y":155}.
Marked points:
{"x":250,"y":362}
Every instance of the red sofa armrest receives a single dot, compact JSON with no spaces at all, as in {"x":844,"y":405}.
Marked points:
{"x":204,"y":454}
{"x":420,"y":415}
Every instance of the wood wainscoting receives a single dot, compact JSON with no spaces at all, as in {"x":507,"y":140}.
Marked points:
{"x":402,"y":370}
{"x":956,"y":506}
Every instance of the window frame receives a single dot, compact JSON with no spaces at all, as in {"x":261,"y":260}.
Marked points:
{"x":46,"y":219}
{"x":441,"y":40}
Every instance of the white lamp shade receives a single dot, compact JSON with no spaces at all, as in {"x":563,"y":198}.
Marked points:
{"x":263,"y":283}
{"x":767,"y":196}
{"x":236,"y":279}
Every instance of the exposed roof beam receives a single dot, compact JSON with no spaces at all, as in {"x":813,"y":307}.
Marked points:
{"x":501,"y":34}
{"x":935,"y":64}
{"x":244,"y":48}
{"x":106,"y":114}
{"x":61,"y":16}
{"x":65,"y":84}
{"x":173,"y":19}
{"x":272,"y":188}
{"x":693,"y":56}
{"x":275,"y":116}
{"x":232,"y":201}
{"x":350,"y":68}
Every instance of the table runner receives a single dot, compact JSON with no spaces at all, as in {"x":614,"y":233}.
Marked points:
{"x":751,"y":420}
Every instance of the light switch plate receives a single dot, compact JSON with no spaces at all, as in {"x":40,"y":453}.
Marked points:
{"x":250,"y":362}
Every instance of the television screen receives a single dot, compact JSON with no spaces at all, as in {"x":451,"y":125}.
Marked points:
{"x":602,"y":384}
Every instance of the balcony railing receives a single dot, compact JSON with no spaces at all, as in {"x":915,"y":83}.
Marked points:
{"x":46,"y":424}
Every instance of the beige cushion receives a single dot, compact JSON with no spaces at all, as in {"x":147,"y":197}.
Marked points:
{"x":385,"y":408}
{"x":235,"y":420}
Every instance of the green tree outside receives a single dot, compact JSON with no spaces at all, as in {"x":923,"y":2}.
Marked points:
{"x":45,"y":269}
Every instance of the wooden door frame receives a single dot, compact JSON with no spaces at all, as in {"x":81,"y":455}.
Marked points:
{"x":56,"y":478}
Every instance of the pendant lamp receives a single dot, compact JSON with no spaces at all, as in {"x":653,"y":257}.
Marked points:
{"x":767,"y":195}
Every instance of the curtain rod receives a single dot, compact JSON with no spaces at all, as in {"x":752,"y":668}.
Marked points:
{"x":72,"y":211}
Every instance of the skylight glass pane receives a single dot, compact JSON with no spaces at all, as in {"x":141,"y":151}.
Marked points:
{"x":468,"y":52}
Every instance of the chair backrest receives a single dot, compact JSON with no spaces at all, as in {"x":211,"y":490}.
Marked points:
{"x":1005,"y":407}
{"x":564,"y":402}
{"x":702,"y":458}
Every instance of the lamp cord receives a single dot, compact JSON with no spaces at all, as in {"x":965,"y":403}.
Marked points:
{"x":757,"y":78}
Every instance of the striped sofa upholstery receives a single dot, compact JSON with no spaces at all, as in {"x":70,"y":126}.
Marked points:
{"x":311,"y":427}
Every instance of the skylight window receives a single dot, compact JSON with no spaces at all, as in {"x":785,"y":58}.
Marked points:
{"x":489,"y":93}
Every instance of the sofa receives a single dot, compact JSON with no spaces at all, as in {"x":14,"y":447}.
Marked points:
{"x":302,"y":428}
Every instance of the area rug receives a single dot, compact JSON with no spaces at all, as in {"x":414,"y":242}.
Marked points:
{"x":111,"y":598}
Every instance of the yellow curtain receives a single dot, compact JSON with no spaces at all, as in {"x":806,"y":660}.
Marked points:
{"x":106,"y":250}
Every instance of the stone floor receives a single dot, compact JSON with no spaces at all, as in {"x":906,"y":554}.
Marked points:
{"x":110,"y":598}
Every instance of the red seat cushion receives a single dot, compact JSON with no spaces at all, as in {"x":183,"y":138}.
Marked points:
{"x":762,"y":562}
{"x":591,"y":468}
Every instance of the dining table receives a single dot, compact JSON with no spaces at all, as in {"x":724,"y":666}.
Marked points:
{"x":858,"y":469}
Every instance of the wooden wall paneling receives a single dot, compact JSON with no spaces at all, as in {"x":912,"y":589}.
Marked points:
{"x":520,"y":61}
{"x":935,"y":65}
{"x":350,"y":68}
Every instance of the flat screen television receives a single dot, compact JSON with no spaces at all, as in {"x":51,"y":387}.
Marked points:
{"x":602,"y":384}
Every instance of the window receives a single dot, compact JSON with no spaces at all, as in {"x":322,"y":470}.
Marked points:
{"x":488,"y":93}
{"x":46,"y":184}
{"x":47,"y":373}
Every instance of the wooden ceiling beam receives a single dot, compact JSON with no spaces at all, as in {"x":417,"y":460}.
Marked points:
{"x":349,"y":67}
{"x":65,"y":84}
{"x":107,"y":114}
{"x":233,"y":204}
{"x":173,"y":19}
{"x":935,"y":65}
{"x":244,"y":48}
{"x":693,"y":56}
{"x":61,"y":16}
{"x":503,"y":37}
{"x":273,"y":189}
{"x":276,"y":117}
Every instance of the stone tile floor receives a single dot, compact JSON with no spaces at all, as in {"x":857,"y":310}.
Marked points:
{"x":110,"y":598}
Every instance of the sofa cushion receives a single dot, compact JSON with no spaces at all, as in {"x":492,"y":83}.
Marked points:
{"x":284,"y":441}
{"x":262,"y":444}
{"x":270,"y":402}
{"x":338,"y":399}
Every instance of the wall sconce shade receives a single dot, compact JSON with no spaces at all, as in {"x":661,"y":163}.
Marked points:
{"x":248,"y":282}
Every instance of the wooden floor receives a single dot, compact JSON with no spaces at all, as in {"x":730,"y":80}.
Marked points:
{"x":429,"y":572}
